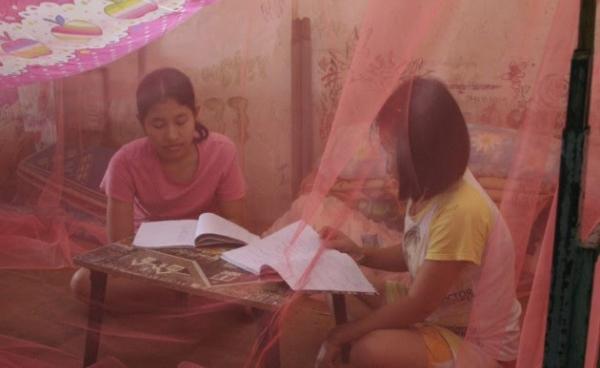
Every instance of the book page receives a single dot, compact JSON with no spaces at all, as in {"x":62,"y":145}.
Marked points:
{"x":289,"y":243}
{"x":247,"y":258}
{"x":209,"y":223}
{"x":160,"y":234}
{"x":275,"y":248}
{"x":331,"y":271}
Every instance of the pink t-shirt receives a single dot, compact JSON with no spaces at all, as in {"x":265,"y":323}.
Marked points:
{"x":134,"y":175}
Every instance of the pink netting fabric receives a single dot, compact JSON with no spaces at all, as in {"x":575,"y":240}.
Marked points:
{"x":300,"y":103}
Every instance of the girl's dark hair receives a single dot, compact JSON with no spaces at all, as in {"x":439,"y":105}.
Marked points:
{"x":432,"y":137}
{"x":163,"y":84}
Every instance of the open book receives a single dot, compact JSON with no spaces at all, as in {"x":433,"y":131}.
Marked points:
{"x":209,"y":229}
{"x":291,"y":252}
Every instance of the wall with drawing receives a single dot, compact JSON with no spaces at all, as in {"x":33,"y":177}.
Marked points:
{"x":85,"y":108}
{"x":494,"y":96}
{"x":122,"y":78}
{"x":334,"y":33}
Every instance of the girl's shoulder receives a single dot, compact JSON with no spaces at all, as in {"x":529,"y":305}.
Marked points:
{"x":217,"y":143}
{"x":136,"y":150}
{"x":215,"y":138}
{"x":466,"y":199}
{"x":136,"y":144}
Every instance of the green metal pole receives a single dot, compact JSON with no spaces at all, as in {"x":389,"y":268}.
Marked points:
{"x":572,"y":265}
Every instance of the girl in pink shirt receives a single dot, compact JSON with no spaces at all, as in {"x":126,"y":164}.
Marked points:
{"x":178,"y":170}
{"x":136,"y":177}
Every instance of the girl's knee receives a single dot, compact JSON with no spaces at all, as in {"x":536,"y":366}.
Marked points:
{"x":389,"y":348}
{"x":80,"y":283}
{"x":366,"y":350}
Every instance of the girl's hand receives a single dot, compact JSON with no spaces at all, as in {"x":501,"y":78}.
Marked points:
{"x":328,"y":355}
{"x":334,"y":239}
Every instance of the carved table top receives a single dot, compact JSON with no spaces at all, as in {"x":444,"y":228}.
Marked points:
{"x":197,"y":271}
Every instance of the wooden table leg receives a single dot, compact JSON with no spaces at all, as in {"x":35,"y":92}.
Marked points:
{"x":266,"y":338}
{"x":92,"y":339}
{"x":341,"y":317}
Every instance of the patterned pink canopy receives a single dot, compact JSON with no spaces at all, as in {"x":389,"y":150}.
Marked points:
{"x":42,"y":40}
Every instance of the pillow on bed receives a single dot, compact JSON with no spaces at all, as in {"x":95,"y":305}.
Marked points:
{"x":493,"y":150}
{"x":365,"y":185}
{"x":364,"y":193}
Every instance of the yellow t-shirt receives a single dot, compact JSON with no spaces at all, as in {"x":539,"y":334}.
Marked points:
{"x":453,"y":226}
{"x":460,"y":227}
{"x":456,"y":226}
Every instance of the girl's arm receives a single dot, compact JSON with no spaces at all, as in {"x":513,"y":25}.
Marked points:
{"x":234,"y":211}
{"x":431,"y":285}
{"x":388,"y":258}
{"x":119,"y":219}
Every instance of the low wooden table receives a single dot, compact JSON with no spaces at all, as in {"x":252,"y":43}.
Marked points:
{"x":198,"y":271}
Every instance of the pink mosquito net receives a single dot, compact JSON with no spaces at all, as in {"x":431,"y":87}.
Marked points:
{"x":298,"y":87}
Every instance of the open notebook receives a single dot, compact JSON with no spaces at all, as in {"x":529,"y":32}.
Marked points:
{"x":209,"y":229}
{"x":291,"y":252}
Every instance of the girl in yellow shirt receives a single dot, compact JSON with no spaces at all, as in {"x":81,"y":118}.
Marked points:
{"x":451,"y":226}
